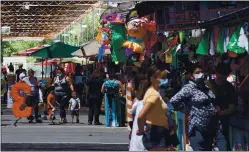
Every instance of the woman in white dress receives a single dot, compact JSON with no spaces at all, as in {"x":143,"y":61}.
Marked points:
{"x":136,"y":142}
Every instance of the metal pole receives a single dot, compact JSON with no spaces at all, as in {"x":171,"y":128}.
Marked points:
{"x":81,"y":38}
{"x":46,"y":68}
{"x":73,"y":35}
{"x":87,"y":28}
{"x":93,"y":15}
{"x":42,"y":68}
{"x":69,"y":38}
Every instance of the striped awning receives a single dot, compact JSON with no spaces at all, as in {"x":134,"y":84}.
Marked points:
{"x":29,"y":51}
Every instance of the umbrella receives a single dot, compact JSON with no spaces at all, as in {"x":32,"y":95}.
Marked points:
{"x":69,"y":68}
{"x":56,"y":50}
{"x":89,"y":49}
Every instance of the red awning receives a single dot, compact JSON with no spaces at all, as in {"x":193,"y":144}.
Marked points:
{"x":29,"y":51}
{"x":49,"y":61}
{"x":69,"y":67}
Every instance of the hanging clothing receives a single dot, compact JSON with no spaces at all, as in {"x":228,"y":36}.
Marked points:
{"x":111,"y":102}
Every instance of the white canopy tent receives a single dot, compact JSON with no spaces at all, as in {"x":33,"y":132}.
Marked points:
{"x":82,"y":61}
{"x":89,"y":49}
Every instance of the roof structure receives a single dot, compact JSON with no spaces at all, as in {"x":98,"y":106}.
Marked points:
{"x":231,"y":18}
{"x":42,"y":18}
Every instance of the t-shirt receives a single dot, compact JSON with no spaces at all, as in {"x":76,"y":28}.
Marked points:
{"x":74,"y":103}
{"x":225,"y":94}
{"x":51,"y":99}
{"x":11,"y":79}
{"x":18,"y":72}
{"x":95,"y":85}
{"x":157,"y":114}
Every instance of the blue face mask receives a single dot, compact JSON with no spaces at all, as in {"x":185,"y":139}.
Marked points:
{"x":164,"y":82}
{"x":59,"y":75}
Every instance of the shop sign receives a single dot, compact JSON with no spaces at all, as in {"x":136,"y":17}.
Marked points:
{"x":214,"y":13}
{"x":179,"y":26}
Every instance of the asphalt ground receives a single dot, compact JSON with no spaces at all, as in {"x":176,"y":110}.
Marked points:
{"x":60,"y":137}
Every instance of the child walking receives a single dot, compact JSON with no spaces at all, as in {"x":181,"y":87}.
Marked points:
{"x":51,"y":103}
{"x":74,"y":106}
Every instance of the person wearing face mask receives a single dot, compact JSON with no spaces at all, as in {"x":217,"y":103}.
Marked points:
{"x":226,"y":100}
{"x":197,"y":99}
{"x":62,"y":85}
{"x":156,"y":136}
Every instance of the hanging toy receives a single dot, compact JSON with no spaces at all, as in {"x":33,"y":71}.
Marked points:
{"x":20,"y":107}
{"x":134,"y":46}
{"x":104,"y":37}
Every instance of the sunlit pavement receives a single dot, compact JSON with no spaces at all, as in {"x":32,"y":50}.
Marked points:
{"x":64,"y":137}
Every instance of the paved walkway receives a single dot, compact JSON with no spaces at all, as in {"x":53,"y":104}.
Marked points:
{"x":65,"y":137}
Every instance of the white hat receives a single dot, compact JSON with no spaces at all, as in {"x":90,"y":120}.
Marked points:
{"x":21,"y":76}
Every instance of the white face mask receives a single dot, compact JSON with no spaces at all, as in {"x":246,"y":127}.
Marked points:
{"x":198,"y":76}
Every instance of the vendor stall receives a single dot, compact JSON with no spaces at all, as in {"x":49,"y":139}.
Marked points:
{"x":236,"y":51}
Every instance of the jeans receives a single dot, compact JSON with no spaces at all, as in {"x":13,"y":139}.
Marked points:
{"x":63,"y":101}
{"x":94,"y":108}
{"x":222,"y":140}
{"x":34,"y":100}
{"x":201,"y":141}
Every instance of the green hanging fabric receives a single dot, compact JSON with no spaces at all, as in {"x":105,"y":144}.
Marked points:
{"x":119,"y":55}
{"x":204,"y":44}
{"x":233,"y":44}
{"x":119,"y":36}
{"x":221,"y":39}
{"x":172,"y":50}
{"x":182,"y":36}
{"x":163,"y":47}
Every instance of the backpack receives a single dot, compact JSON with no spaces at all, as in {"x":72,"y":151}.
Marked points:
{"x":112,"y":90}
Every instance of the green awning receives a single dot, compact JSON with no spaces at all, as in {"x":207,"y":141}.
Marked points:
{"x":56,"y":50}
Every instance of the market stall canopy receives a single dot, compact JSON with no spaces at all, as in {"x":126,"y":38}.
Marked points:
{"x":56,"y":50}
{"x":231,"y":18}
{"x":89,"y":49}
{"x":78,"y":60}
{"x":29,"y":51}
{"x":42,"y":18}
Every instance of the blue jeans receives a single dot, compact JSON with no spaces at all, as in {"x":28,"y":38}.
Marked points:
{"x":201,"y":141}
{"x":222,"y":140}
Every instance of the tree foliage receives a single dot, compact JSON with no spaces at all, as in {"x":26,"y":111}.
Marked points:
{"x":78,"y":34}
{"x":10,"y":47}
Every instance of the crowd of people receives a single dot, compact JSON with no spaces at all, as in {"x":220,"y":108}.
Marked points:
{"x":209,"y":104}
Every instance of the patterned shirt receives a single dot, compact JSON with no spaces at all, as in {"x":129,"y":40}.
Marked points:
{"x":198,"y":102}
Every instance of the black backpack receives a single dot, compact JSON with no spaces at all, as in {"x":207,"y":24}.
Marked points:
{"x":112,"y":90}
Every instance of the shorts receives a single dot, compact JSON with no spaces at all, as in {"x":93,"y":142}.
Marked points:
{"x":158,"y":136}
{"x":75,"y":113}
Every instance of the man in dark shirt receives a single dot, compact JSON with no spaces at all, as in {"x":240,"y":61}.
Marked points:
{"x":19,"y":71}
{"x":95,"y":97}
{"x":226,"y":100}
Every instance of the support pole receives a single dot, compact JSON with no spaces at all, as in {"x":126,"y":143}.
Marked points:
{"x":87,"y":30}
{"x":42,"y":68}
{"x":81,"y":38}
{"x":93,"y":28}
